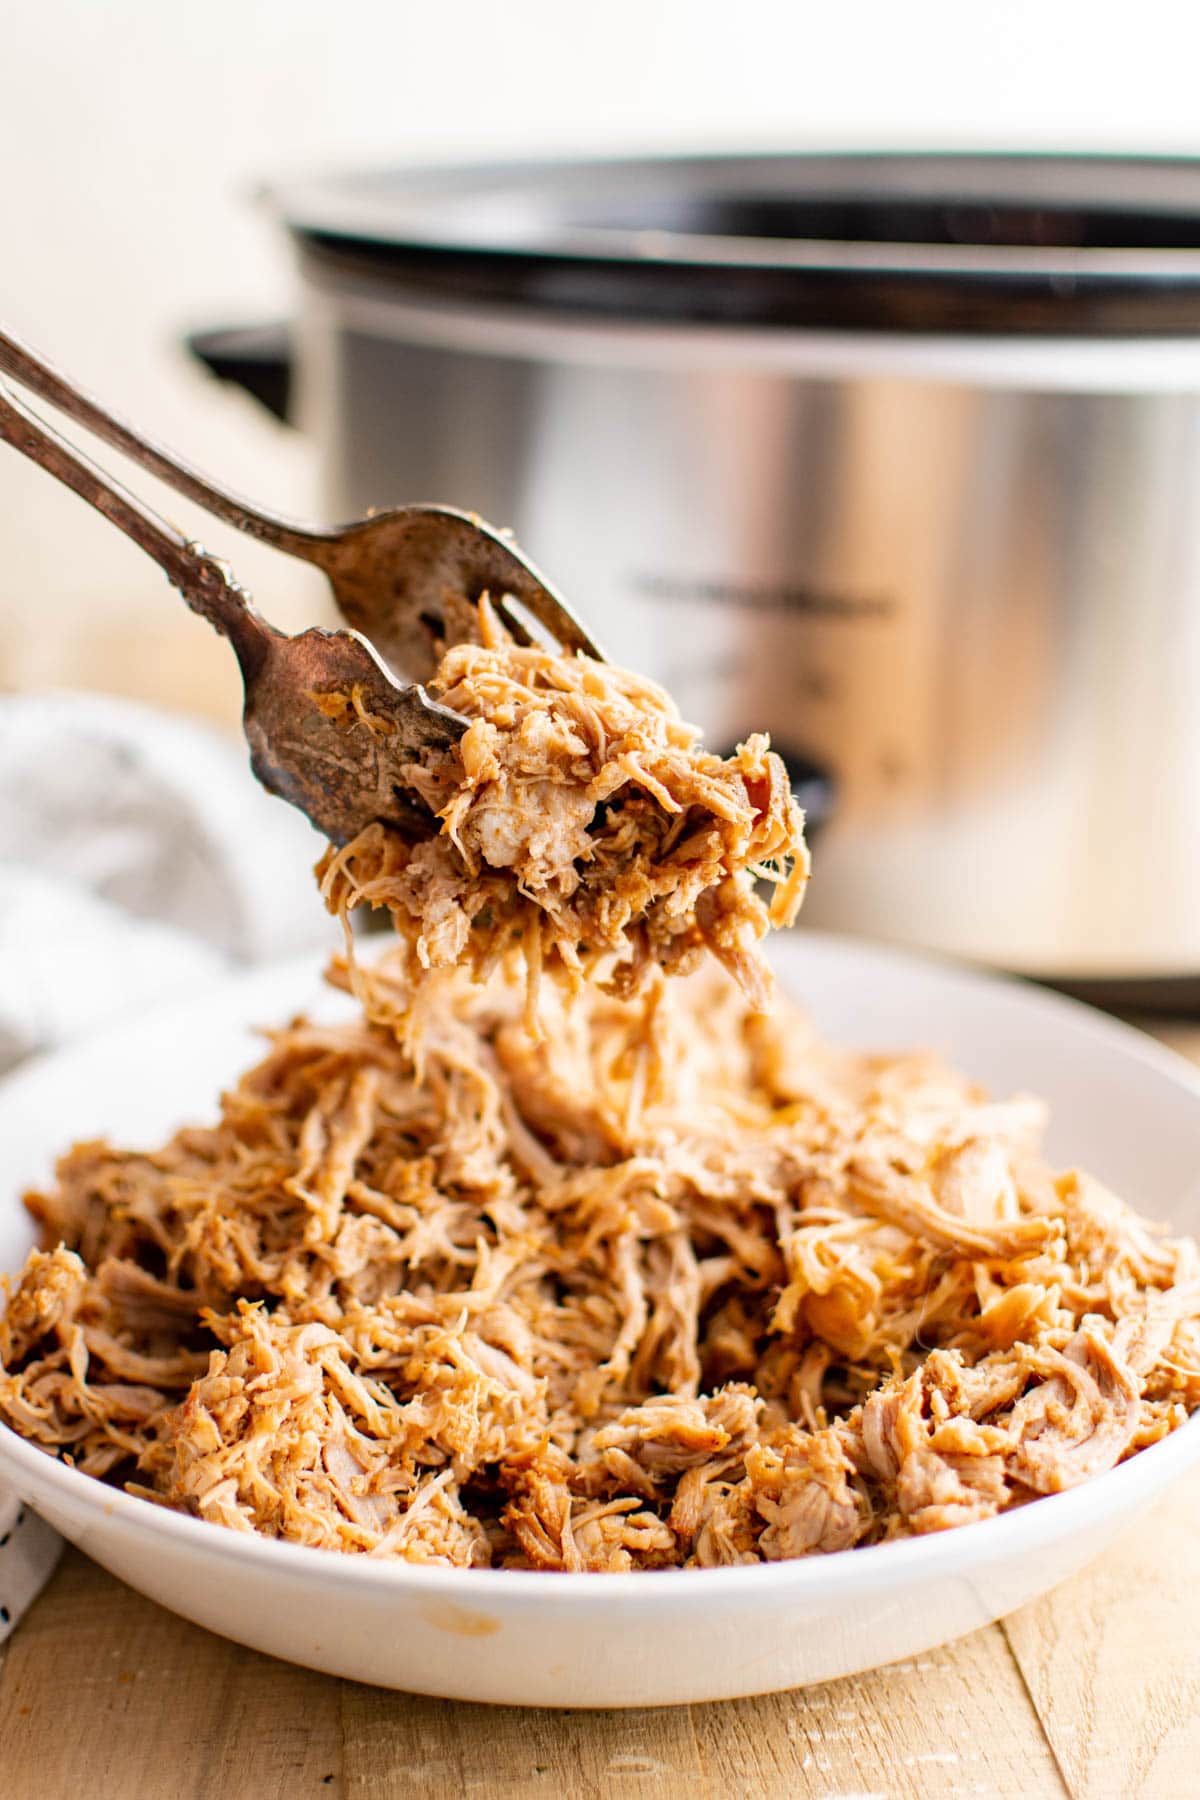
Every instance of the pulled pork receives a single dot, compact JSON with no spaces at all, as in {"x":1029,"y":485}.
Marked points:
{"x":581,"y":825}
{"x":642,"y":1295}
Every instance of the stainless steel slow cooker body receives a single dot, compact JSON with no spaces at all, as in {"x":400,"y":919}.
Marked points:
{"x":924,"y":506}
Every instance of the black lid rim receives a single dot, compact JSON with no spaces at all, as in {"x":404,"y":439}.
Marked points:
{"x":400,"y":229}
{"x":817,"y":300}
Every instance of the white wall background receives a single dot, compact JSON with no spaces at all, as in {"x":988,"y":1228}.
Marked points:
{"x":133,"y":135}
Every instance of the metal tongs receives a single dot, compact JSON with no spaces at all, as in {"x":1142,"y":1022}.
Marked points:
{"x":404,"y":580}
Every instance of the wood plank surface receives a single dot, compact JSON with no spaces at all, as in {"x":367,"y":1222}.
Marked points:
{"x":1093,"y":1691}
{"x":105,"y":1695}
{"x":1112,"y":1660}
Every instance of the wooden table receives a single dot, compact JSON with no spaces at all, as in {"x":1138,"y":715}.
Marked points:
{"x":1093,"y":1691}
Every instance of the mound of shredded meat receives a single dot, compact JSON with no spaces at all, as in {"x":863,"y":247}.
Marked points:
{"x":579,"y":822}
{"x":641,"y":1295}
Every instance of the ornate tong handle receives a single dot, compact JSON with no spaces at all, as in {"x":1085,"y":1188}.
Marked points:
{"x":206,"y":583}
{"x":48,"y":383}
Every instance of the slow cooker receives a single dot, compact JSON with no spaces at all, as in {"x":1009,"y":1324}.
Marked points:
{"x":897,"y":457}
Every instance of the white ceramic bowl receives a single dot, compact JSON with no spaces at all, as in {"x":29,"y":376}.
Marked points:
{"x":1124,"y":1108}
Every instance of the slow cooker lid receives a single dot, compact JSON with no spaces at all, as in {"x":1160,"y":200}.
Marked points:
{"x":1085,"y":245}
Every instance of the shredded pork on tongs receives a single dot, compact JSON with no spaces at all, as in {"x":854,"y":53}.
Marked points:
{"x":580,"y":825}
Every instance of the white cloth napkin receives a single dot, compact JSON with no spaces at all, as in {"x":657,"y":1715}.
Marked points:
{"x":139,"y":859}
